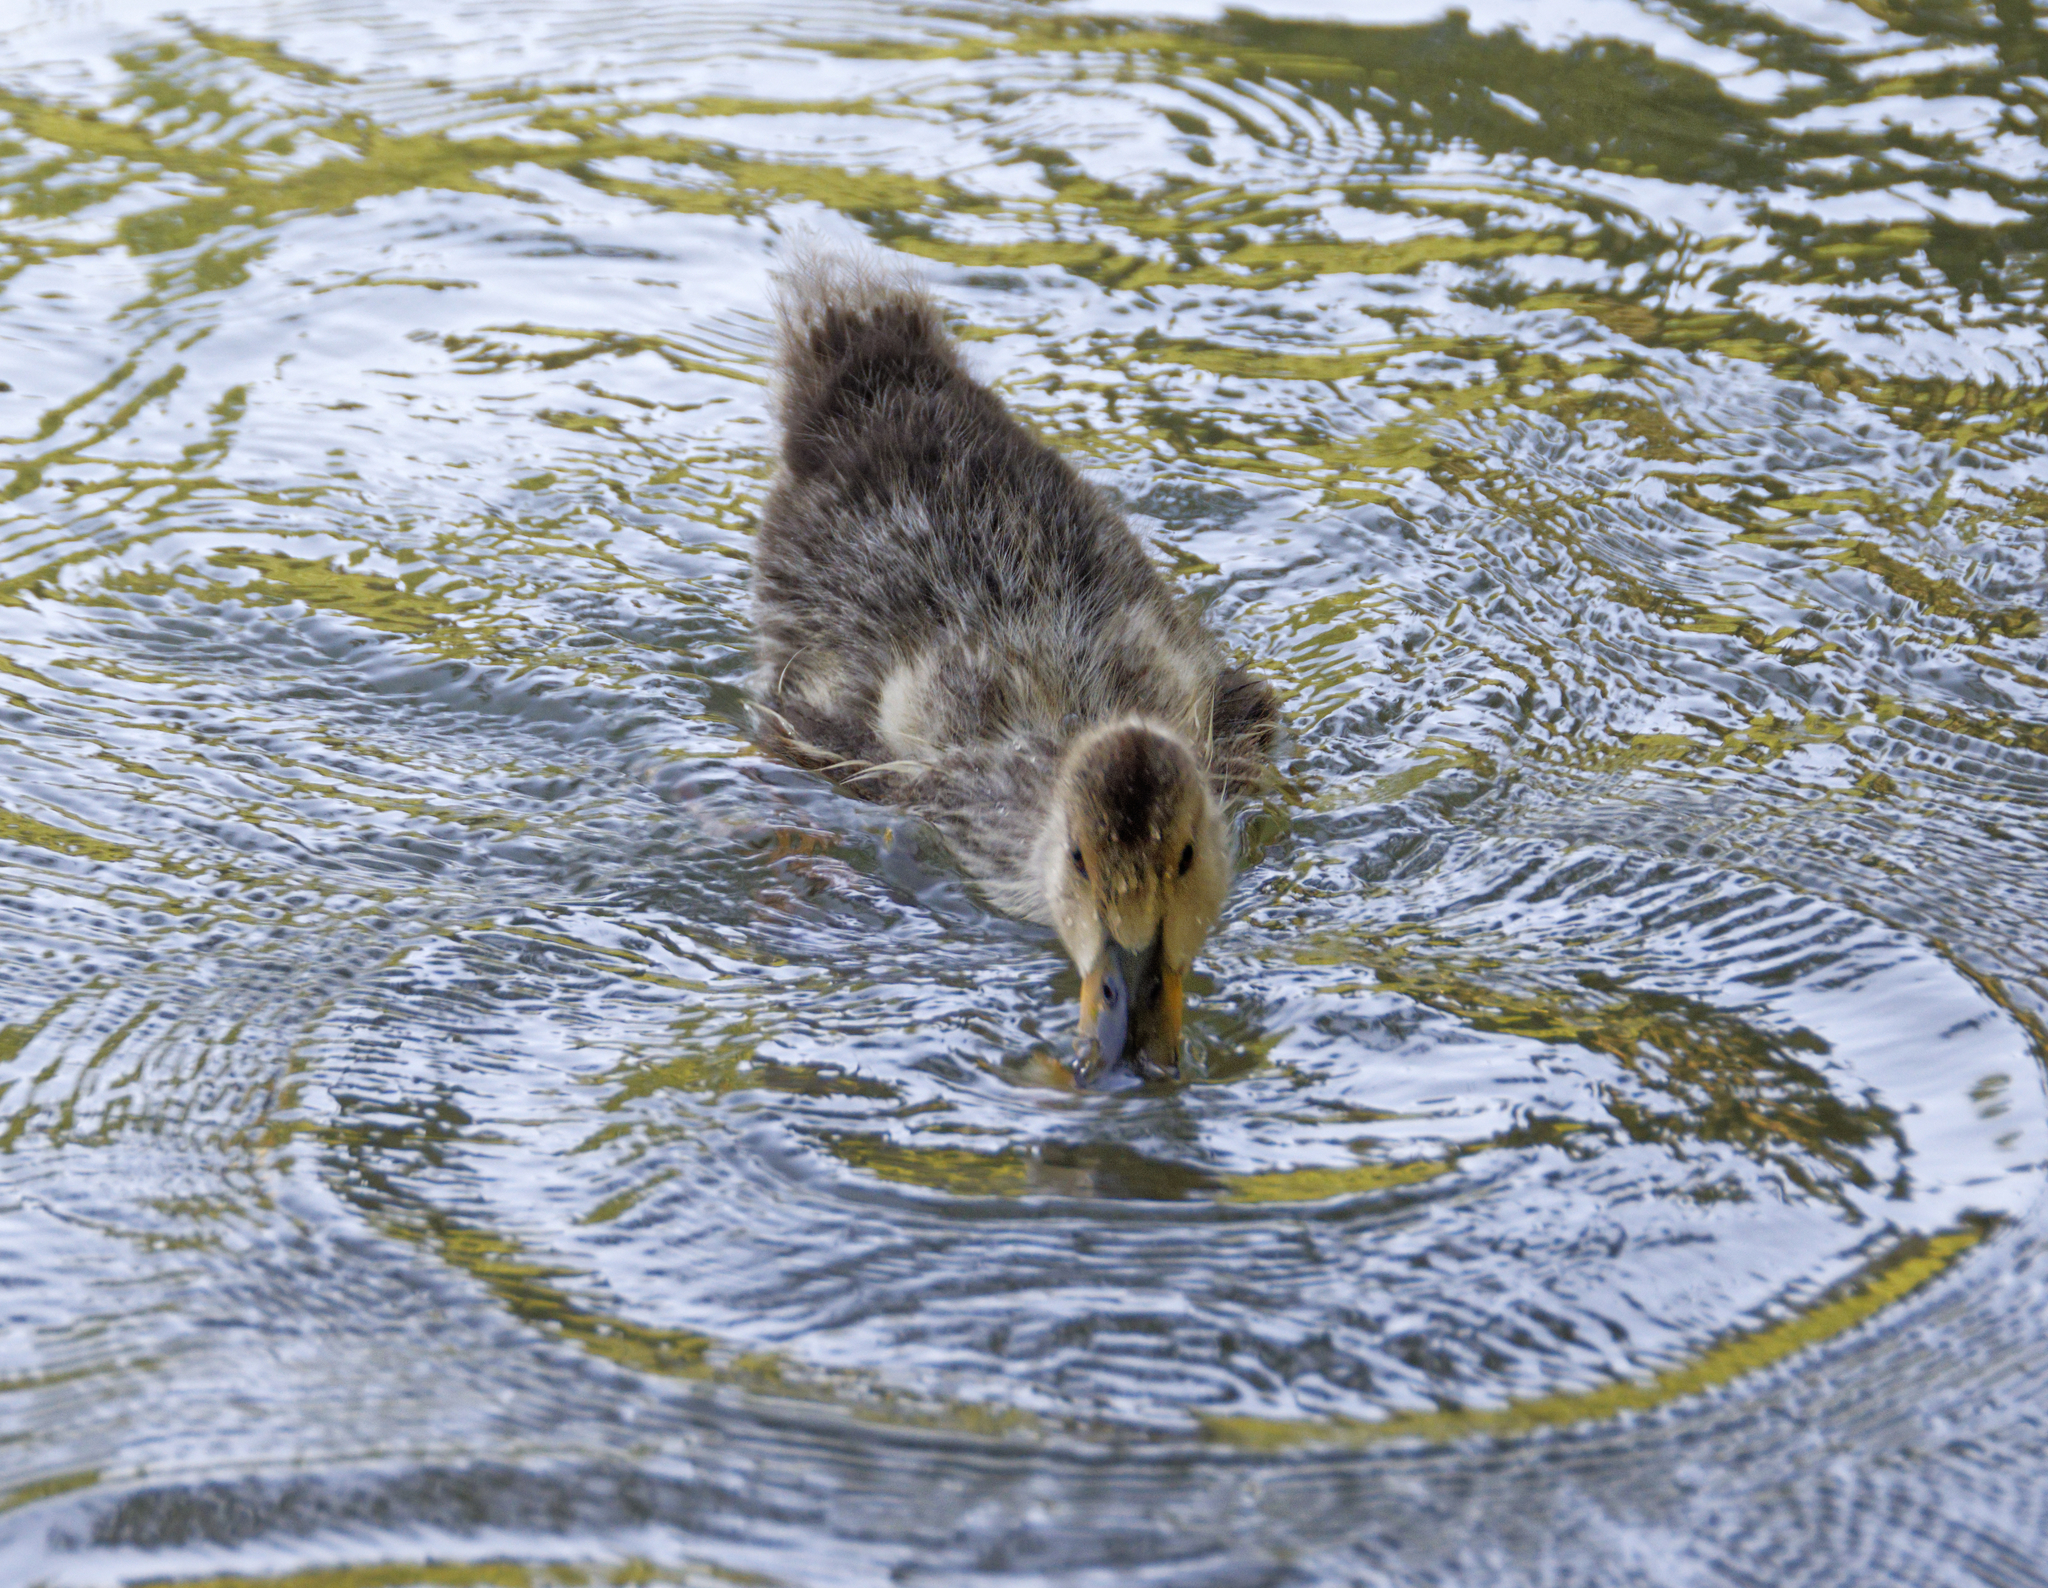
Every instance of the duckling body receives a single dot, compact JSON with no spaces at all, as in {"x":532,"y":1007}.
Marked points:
{"x":950,"y":618}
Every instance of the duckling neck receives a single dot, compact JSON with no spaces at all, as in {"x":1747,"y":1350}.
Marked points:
{"x":992,"y":803}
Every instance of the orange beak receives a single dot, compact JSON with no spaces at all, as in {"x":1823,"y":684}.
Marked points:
{"x":1130,"y":1019}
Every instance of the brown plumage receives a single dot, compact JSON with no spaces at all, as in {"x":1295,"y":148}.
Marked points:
{"x":950,"y":618}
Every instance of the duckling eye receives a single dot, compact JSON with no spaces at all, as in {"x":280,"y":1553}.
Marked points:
{"x":1080,"y":865}
{"x":1187,"y":858}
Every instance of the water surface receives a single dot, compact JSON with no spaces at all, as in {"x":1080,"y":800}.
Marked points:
{"x":469,"y":1118}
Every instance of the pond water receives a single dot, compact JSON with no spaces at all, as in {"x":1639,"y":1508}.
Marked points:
{"x":469,"y":1118}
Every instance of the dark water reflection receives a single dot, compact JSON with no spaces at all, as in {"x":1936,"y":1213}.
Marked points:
{"x":468,"y":1119}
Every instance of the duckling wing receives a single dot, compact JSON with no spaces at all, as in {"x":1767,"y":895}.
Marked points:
{"x":1244,"y":728}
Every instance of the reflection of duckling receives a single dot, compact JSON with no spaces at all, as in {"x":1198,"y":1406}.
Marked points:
{"x":952,"y":619}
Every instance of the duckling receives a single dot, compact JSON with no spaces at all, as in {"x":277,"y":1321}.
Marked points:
{"x":951,"y":619}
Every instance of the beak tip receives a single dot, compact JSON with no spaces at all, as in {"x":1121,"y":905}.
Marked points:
{"x":1097,"y":1071}
{"x":1092,"y":1075}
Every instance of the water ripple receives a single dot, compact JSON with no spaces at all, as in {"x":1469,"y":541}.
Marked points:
{"x":464,"y":1115}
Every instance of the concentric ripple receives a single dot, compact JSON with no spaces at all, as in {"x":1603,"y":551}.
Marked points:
{"x":465,"y":1117}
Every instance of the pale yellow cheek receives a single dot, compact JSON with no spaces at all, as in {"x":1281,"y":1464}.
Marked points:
{"x":1185,"y":926}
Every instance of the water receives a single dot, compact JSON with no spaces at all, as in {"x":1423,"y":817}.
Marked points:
{"x":469,"y":1119}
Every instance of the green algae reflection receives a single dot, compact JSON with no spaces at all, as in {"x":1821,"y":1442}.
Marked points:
{"x":1913,"y":1264}
{"x":527,"y":1287}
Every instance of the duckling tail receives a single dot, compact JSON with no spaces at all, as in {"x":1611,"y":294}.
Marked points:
{"x":859,"y":335}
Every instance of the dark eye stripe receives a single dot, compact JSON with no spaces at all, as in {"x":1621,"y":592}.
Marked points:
{"x":1187,"y":858}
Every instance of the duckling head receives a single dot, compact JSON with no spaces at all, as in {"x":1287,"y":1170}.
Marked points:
{"x":1134,"y":864}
